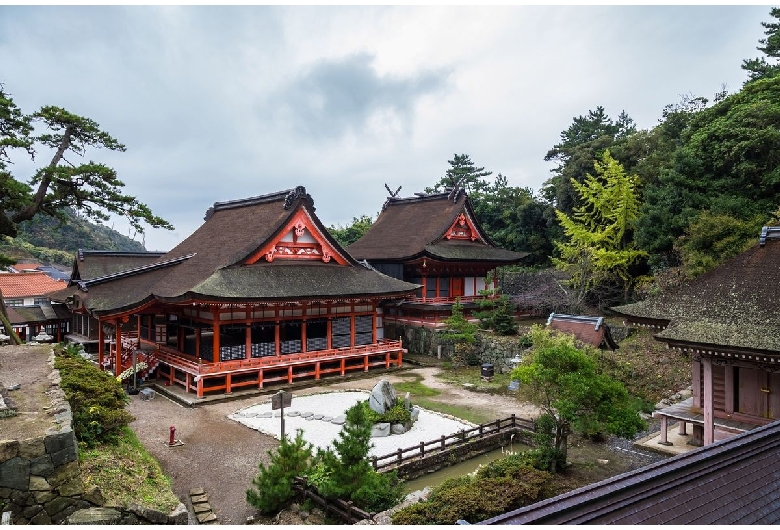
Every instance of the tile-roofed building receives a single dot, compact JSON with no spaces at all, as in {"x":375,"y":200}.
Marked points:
{"x":732,"y":481}
{"x":434,"y":240}
{"x":727,"y":321}
{"x":589,"y":330}
{"x":259,"y":293}
{"x":28,"y":292}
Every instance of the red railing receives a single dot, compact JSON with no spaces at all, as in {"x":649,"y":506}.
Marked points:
{"x":206,"y":368}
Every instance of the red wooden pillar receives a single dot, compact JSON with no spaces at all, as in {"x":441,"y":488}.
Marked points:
{"x":709,"y":427}
{"x":216,"y":357}
{"x":317,"y":370}
{"x":425,"y":287}
{"x":352,"y":330}
{"x":329,"y":333}
{"x":248,"y":345}
{"x":101,"y":344}
{"x":197,"y":343}
{"x":260,"y":378}
{"x":200,"y":387}
{"x":228,"y":383}
{"x":118,"y":357}
{"x":373,"y":324}
{"x":277,"y":340}
{"x":696,"y":383}
{"x":187,"y":381}
{"x":303,"y":336}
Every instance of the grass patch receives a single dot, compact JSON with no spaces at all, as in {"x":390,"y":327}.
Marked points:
{"x":472,"y":375}
{"x":127,"y":473}
{"x":415,"y":388}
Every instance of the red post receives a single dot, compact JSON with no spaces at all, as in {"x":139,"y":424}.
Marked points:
{"x":172,"y":439}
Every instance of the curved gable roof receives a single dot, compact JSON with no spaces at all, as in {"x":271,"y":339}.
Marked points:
{"x":411,"y":227}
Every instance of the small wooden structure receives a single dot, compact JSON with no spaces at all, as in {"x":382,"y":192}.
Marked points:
{"x":436,"y":241}
{"x":727,"y":322}
{"x":260,"y":293}
{"x":589,"y":330}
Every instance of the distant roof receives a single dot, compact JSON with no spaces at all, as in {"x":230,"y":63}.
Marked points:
{"x":214,"y":263}
{"x":27,"y":284}
{"x":96,"y":263}
{"x":413,"y":227}
{"x":733,"y":305}
{"x":733,"y":481}
{"x":590,"y":330}
{"x":49,"y":313}
{"x":24,"y":265}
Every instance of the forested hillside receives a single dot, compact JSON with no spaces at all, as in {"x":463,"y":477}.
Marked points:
{"x":625,"y":206}
{"x":54,"y":241}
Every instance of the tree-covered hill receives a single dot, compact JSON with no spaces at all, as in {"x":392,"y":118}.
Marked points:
{"x":51,"y":240}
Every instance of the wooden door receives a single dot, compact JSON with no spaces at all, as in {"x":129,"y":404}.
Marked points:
{"x":770,"y":395}
{"x":456,"y":287}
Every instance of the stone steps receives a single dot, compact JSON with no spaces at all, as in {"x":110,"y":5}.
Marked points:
{"x":201,"y":507}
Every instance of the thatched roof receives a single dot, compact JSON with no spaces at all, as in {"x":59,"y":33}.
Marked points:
{"x":215,"y":263}
{"x":413,"y":227}
{"x":732,"y":306}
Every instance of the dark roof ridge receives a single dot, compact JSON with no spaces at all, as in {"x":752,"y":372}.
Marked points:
{"x":84,"y":284}
{"x":421,"y":197}
{"x":288,"y":196}
{"x":140,"y":253}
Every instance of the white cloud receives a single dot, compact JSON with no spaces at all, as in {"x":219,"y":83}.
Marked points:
{"x":222,"y":103}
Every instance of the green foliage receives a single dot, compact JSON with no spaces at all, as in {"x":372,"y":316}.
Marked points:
{"x":497,"y":488}
{"x":346,"y":473}
{"x":273,"y":485}
{"x":91,"y":188}
{"x":711,"y":239}
{"x":759,"y":68}
{"x":397,"y":414}
{"x":346,"y":235}
{"x":464,"y":173}
{"x":599,"y":246}
{"x":496,"y":311}
{"x":459,"y":329}
{"x":545,"y":456}
{"x":567,"y":385}
{"x":96,"y":399}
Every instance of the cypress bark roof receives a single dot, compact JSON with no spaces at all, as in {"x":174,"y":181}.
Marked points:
{"x":211,"y":264}
{"x":96,"y":263}
{"x":413,"y":227}
{"x":733,"y":481}
{"x":733,"y":305}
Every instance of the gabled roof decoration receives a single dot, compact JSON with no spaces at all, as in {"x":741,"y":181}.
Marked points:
{"x":289,"y":197}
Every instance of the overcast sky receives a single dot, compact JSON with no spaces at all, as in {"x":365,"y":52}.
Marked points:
{"x":219,"y":103}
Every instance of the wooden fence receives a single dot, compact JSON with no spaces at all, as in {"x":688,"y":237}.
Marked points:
{"x":344,"y":509}
{"x":453,"y":440}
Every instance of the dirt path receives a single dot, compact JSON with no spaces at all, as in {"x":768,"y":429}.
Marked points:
{"x":221,"y":455}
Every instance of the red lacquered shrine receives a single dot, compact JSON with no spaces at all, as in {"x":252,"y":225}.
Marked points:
{"x":436,"y":241}
{"x":260,"y":293}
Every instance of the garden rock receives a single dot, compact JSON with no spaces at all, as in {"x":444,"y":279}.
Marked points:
{"x":380,"y":430}
{"x":383,"y":397}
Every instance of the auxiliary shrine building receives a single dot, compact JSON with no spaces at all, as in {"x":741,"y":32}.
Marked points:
{"x":260,"y":293}
{"x":433,"y":240}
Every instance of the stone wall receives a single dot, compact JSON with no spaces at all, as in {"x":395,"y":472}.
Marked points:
{"x":489,"y":348}
{"x":40,"y":479}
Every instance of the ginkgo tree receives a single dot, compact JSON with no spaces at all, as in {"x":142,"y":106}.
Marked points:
{"x":598,"y":249}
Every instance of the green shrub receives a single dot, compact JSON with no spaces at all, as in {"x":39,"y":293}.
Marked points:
{"x":96,"y":399}
{"x":397,"y":414}
{"x":273,"y":485}
{"x":502,"y":486}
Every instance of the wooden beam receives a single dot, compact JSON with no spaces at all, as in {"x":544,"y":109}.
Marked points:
{"x":709,"y":426}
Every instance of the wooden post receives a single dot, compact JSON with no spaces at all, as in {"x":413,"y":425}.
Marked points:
{"x":682,"y":431}
{"x":101,"y":345}
{"x":400,"y":455}
{"x":228,"y":383}
{"x":118,"y":357}
{"x":729,"y":388}
{"x":664,"y":430}
{"x":303,"y":337}
{"x":422,"y":448}
{"x":709,"y":426}
{"x":217,"y":357}
{"x":443,"y":445}
{"x":187,"y":381}
{"x":277,"y":340}
{"x":248,"y":342}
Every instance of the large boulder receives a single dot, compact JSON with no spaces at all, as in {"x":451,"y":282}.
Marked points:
{"x":383,"y":397}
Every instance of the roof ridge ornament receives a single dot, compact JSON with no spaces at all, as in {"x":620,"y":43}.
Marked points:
{"x":392,"y":196}
{"x":298,"y":192}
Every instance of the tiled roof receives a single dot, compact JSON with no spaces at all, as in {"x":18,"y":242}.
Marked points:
{"x":35,"y":314}
{"x":733,"y":481}
{"x":590,"y":330}
{"x":27,"y":284}
{"x":215,"y":269}
{"x":411,"y":227}
{"x":733,"y":305}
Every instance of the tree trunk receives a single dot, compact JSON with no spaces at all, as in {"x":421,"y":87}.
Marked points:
{"x":6,"y":322}
{"x":562,"y":441}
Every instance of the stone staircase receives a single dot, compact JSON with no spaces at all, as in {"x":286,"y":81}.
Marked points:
{"x":201,"y":507}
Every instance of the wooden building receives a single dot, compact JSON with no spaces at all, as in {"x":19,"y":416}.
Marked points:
{"x":436,"y":241}
{"x":589,"y":330}
{"x":731,"y":482}
{"x":727,"y":322}
{"x":30,"y":312}
{"x":260,"y":293}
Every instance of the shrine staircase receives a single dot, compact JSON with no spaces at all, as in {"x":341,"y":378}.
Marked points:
{"x":130,"y":344}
